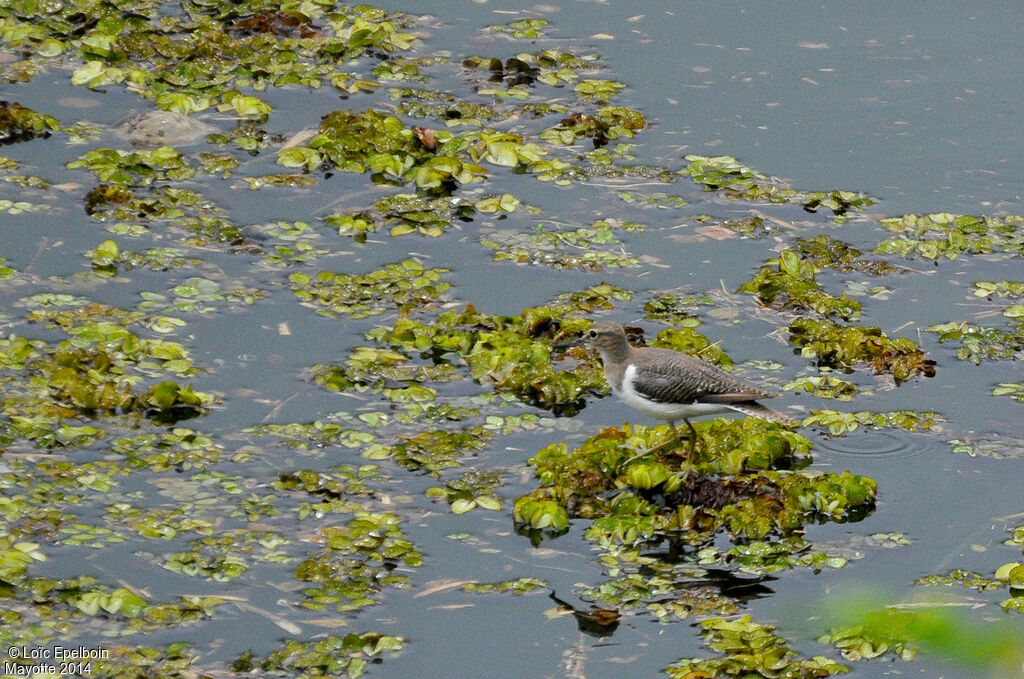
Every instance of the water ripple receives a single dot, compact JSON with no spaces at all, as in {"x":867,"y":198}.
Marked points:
{"x":873,"y":443}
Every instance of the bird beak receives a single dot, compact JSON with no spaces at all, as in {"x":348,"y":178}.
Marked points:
{"x":570,"y":343}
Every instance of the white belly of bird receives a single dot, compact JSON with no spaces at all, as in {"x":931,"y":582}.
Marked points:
{"x":665,"y":411}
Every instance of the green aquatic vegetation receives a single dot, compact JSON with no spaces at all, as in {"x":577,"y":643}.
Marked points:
{"x":992,"y":648}
{"x":408,"y":213}
{"x":522,"y":29}
{"x":963,"y":578}
{"x":378,"y":370}
{"x":179,"y":449}
{"x":505,"y":149}
{"x":156,"y":259}
{"x":862,"y":642}
{"x":18,"y":123}
{"x":196,"y":295}
{"x":334,"y":492}
{"x":16,"y":557}
{"x":142,"y":662}
{"x":752,"y":651}
{"x":999,"y":289}
{"x":608,"y":123}
{"x":655,"y":585}
{"x":587,"y":248}
{"x":996,"y":446}
{"x":839,"y":347}
{"x":180,"y":210}
{"x":332,"y":656}
{"x":356,"y":563}
{"x":688,"y":340}
{"x":196,"y":564}
{"x":550,"y":67}
{"x":155,"y":523}
{"x":596,"y":89}
{"x":656,"y":199}
{"x":826,"y":252}
{"x":824,"y":386}
{"x":515,"y":587}
{"x":247,"y":136}
{"x":356,"y":224}
{"x":1017,"y":538}
{"x":221,"y":164}
{"x":17,"y":207}
{"x":193,"y":61}
{"x":6,"y":271}
{"x":404,"y":286}
{"x":433,"y":450}
{"x":315,"y":434}
{"x":760,"y":557}
{"x":840,"y":423}
{"x":99,"y":370}
{"x":471,"y":490}
{"x":788,"y":283}
{"x":381,"y":144}
{"x":513,"y":353}
{"x":739,"y":182}
{"x":727,"y":485}
{"x":748,"y":227}
{"x":981,"y":343}
{"x":943,"y":235}
{"x":442,"y":107}
{"x":1014,"y":390}
{"x":502,"y":205}
{"x":676,"y":310}
{"x":403,"y":69}
{"x":135,"y":168}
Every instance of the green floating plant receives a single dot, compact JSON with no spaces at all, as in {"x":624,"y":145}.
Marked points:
{"x":737,"y":181}
{"x":135,"y":168}
{"x":471,"y":490}
{"x":513,"y":353}
{"x":752,"y":651}
{"x":590,"y":248}
{"x":408,"y":213}
{"x":870,"y":629}
{"x":999,"y":289}
{"x":356,"y":562}
{"x":515,"y":587}
{"x":676,"y":310}
{"x":524,"y":28}
{"x":824,"y":386}
{"x":608,"y":123}
{"x":839,"y":347}
{"x":329,"y":657}
{"x":403,"y":286}
{"x":831,"y":253}
{"x":839,"y":423}
{"x":943,"y":235}
{"x":963,"y":578}
{"x":432,"y":450}
{"x":18,"y":123}
{"x":728,"y":485}
{"x":788,"y":283}
{"x":978,"y":342}
{"x":168,"y":60}
{"x":99,"y":370}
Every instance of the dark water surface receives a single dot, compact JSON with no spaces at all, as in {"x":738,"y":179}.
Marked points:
{"x":917,"y":105}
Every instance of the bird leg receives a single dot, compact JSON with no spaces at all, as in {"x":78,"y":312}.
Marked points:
{"x":693,"y":435}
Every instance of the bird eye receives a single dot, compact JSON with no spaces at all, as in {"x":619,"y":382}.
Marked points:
{"x":592,"y":334}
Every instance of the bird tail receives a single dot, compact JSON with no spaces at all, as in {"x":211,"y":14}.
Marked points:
{"x":755,"y":409}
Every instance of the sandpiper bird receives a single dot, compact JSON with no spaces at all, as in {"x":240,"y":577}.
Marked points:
{"x":670,"y":385}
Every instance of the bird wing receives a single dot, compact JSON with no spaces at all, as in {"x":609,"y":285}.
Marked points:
{"x":689,"y":380}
